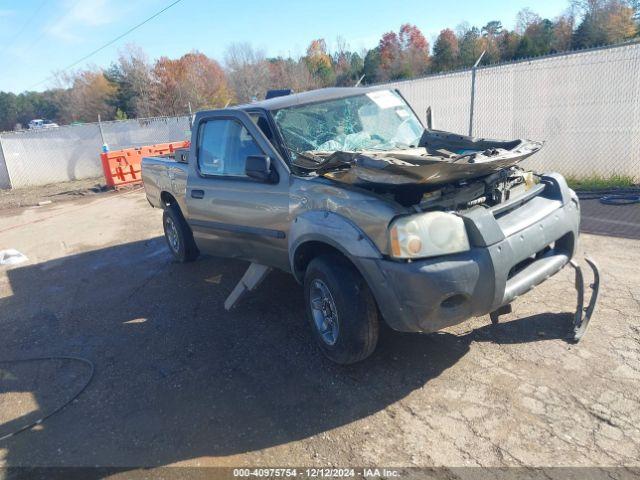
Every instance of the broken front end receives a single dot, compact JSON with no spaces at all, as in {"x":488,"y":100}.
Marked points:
{"x":482,"y":230}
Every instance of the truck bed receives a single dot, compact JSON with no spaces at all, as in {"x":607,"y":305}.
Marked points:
{"x":164,"y":174}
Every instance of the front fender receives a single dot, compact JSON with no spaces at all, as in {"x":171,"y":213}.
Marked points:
{"x":332,"y":229}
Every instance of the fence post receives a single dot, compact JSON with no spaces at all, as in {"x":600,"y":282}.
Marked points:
{"x":3,"y":164}
{"x":105,"y":147}
{"x":473,"y":91}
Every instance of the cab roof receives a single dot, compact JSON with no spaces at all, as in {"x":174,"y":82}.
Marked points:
{"x":311,"y":96}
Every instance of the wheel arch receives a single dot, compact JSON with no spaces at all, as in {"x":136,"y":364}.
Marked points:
{"x":310,"y":249}
{"x":167,"y":199}
{"x":318,"y":232}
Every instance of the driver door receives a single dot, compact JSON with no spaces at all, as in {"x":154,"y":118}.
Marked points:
{"x":231,"y":214}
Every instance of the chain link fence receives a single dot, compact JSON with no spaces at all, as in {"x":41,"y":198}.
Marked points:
{"x":585,"y":106}
{"x":41,"y":157}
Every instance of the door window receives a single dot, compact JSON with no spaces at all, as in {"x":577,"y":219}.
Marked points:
{"x":223,"y":147}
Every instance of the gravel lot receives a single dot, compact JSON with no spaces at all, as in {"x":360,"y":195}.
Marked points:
{"x":180,"y":381}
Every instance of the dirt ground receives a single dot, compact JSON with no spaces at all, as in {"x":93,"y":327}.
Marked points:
{"x":179,"y":381}
{"x":46,"y":194}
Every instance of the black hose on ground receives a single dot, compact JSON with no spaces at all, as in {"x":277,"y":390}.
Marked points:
{"x":617,"y":196}
{"x":625,"y":199}
{"x":59,"y":408}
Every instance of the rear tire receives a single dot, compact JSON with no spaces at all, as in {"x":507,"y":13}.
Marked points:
{"x":178,"y":235}
{"x":341,"y":309}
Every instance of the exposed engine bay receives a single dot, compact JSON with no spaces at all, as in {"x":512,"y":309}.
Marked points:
{"x":490,"y":190}
{"x":446,"y":171}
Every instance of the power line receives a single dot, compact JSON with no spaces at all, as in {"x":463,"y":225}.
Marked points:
{"x":61,"y":17}
{"x":25,"y":25}
{"x":109,"y":43}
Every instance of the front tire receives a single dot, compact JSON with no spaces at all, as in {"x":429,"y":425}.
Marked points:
{"x":341,"y":309}
{"x":178,"y":235}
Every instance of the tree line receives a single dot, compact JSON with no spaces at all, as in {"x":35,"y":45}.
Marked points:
{"x":134,"y":87}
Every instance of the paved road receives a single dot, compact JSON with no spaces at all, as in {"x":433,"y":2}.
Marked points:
{"x":611,"y":220}
{"x":180,"y":381}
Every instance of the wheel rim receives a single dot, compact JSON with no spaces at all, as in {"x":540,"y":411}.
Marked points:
{"x":171,"y":232}
{"x":324,"y":311}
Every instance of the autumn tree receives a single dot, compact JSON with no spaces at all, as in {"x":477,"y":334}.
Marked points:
{"x":404,"y":54}
{"x":248,"y":72}
{"x":293,"y":74}
{"x":205,"y":82}
{"x":348,"y":65}
{"x":536,"y":39}
{"x":193,"y":79}
{"x":508,"y":42}
{"x":133,"y":77}
{"x":524,"y":18}
{"x":445,"y":51}
{"x":539,"y":36}
{"x":390,"y":57}
{"x":88,"y":93}
{"x":604,"y":22}
{"x":562,"y":33}
{"x":168,"y":93}
{"x":319,"y":62}
{"x":619,"y":21}
{"x":415,"y":50}
{"x":133,"y":86}
{"x":251,"y":74}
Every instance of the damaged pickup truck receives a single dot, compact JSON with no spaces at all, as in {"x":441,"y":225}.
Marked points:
{"x":380,"y":218}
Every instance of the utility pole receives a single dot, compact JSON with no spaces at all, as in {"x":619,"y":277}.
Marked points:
{"x":473,"y":91}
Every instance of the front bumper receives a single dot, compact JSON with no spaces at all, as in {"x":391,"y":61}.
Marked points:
{"x":512,"y":252}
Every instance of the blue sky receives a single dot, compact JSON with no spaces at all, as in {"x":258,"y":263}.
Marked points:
{"x":38,"y":37}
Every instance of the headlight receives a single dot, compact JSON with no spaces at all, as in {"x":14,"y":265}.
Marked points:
{"x":428,"y":235}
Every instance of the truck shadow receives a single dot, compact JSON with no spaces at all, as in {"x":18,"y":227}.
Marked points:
{"x":178,"y":378}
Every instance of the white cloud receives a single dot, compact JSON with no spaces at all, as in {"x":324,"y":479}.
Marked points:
{"x":81,"y":16}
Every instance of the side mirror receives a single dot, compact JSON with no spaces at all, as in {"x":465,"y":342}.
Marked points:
{"x":259,"y":167}
{"x":429,"y":118}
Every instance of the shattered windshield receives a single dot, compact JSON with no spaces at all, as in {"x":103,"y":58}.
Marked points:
{"x":378,"y":120}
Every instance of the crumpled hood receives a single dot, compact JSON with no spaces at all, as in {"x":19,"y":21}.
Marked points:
{"x":418,"y":167}
{"x":440,"y":158}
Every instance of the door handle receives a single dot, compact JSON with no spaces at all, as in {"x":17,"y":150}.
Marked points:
{"x":197,"y":193}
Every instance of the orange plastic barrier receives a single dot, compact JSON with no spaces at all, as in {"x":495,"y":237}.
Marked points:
{"x":123,"y":167}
